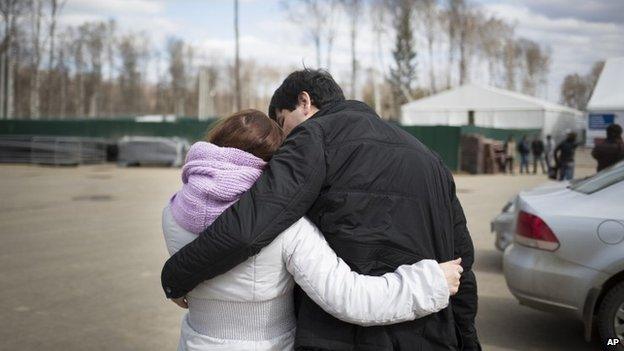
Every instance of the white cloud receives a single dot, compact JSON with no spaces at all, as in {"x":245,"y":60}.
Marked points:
{"x":131,"y":16}
{"x":576,"y":43}
{"x":589,"y":10}
{"x":117,"y":6}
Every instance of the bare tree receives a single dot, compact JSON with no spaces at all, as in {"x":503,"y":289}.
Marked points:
{"x":11,"y":11}
{"x":403,"y":73}
{"x":467,"y":42}
{"x":353,"y":8}
{"x":62,"y":70}
{"x":494,"y":34}
{"x":111,"y":43}
{"x":429,"y":16}
{"x":317,"y":18}
{"x":594,"y":74}
{"x":129,"y":75}
{"x":453,"y":22}
{"x":511,"y":58}
{"x":462,"y":20}
{"x":79,"y":65}
{"x":177,"y":71}
{"x":534,"y":65}
{"x":55,"y":8}
{"x":94,"y":45}
{"x":379,"y":18}
{"x":36,"y":19}
{"x":332,"y":14}
{"x":239,"y":105}
{"x":576,"y":90}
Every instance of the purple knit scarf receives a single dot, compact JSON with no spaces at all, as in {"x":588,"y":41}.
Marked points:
{"x":213,"y":179}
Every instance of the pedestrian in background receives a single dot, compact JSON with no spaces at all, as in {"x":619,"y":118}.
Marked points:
{"x":610,"y":151}
{"x":524,"y":150}
{"x":510,"y":150}
{"x":549,"y":147}
{"x":549,"y":156}
{"x":537,"y":149}
{"x":564,"y":157}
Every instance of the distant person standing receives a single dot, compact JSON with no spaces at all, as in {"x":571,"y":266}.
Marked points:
{"x":524,"y":150}
{"x":611,"y":150}
{"x":549,"y":148}
{"x":564,"y":157}
{"x":510,"y":150}
{"x":537,"y":149}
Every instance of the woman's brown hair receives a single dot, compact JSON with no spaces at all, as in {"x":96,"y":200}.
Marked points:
{"x":248,"y":130}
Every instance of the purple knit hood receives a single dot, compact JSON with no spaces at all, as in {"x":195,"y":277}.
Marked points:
{"x":213,"y":179}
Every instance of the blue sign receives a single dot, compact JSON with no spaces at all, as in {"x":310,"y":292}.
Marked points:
{"x":598,"y":121}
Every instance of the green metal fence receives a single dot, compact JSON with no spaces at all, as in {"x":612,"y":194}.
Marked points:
{"x":500,"y":134}
{"x":444,"y":140}
{"x":192,"y":130}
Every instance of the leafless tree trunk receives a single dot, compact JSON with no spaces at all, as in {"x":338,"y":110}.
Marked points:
{"x":177,"y":70}
{"x":510,"y":64}
{"x":239,"y":105}
{"x":378,"y":14}
{"x":535,"y":65}
{"x":36,"y":41}
{"x":63,"y":78}
{"x":453,"y":23}
{"x":10,"y":10}
{"x":317,"y":17}
{"x":469,"y":22}
{"x":353,"y":8}
{"x":331,"y":14}
{"x":110,"y":56}
{"x":429,"y":16}
{"x":55,"y":8}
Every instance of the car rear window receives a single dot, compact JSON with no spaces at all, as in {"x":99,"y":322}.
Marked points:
{"x":601,"y":180}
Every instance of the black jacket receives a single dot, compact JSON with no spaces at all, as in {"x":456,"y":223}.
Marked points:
{"x":537,"y":147}
{"x":608,"y":153}
{"x":564,"y":152}
{"x":381,"y":198}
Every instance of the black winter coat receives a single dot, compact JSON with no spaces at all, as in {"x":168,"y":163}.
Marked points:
{"x":381,"y":198}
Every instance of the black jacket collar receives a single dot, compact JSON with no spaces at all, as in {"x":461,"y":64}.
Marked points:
{"x":343,"y":106}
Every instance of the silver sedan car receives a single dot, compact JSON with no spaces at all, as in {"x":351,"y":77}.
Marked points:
{"x":568,"y":252}
{"x":502,"y":226}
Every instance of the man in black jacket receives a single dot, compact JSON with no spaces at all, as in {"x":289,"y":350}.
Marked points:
{"x":381,"y":198}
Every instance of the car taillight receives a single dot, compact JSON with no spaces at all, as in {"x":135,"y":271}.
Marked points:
{"x":534,"y":232}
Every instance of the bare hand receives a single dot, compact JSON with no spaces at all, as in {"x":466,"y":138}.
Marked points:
{"x":181,"y":301}
{"x":452,"y":272}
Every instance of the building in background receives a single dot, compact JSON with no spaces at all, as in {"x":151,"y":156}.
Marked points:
{"x":485,"y":106}
{"x":606,"y":105}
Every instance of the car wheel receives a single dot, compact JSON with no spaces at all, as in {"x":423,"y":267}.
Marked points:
{"x":611,"y":318}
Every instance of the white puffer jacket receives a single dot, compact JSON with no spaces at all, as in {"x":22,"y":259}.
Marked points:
{"x":251,"y":306}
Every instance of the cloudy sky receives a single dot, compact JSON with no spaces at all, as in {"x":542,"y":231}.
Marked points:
{"x":579,"y":32}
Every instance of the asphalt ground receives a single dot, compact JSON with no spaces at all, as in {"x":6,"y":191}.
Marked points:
{"x":81,"y":251}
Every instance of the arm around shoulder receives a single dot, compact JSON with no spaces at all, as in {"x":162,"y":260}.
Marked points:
{"x":288,"y":187}
{"x":410,"y":292}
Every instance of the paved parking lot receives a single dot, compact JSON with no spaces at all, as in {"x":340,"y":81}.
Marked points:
{"x":81,"y":252}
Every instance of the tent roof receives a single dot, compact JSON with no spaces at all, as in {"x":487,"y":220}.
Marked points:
{"x":609,"y":91}
{"x":481,"y":98}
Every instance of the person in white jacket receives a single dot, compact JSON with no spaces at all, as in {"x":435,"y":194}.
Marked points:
{"x":251,"y":306}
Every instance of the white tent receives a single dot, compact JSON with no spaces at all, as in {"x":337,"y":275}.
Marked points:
{"x":486,"y":106}
{"x":606,"y":105}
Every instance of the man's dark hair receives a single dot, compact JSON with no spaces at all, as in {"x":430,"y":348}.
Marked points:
{"x":614,"y":131}
{"x":319,"y":84}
